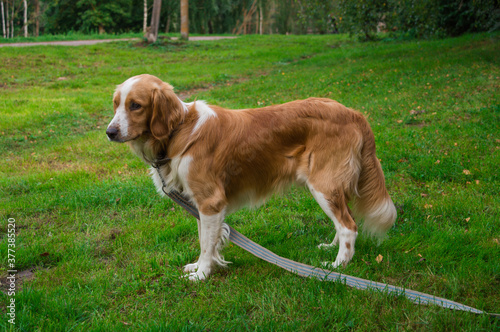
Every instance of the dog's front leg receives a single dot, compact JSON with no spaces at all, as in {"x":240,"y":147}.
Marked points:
{"x":212,"y":234}
{"x":192,"y":267}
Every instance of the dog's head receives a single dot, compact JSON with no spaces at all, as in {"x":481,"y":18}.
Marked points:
{"x":144,"y":105}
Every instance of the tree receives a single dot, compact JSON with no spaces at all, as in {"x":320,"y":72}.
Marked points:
{"x":145,"y":22}
{"x":62,"y":16}
{"x":152,"y":34}
{"x":185,"y":19}
{"x":314,"y":15}
{"x":12,"y":21}
{"x":361,"y":17}
{"x":171,"y":11}
{"x":100,"y":14}
{"x":37,"y":17}
{"x":3,"y":20}
{"x":25,"y":26}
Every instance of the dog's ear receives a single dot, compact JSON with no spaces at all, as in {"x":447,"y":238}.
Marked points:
{"x":168,"y":112}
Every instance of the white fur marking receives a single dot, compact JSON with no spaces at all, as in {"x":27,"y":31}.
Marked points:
{"x":120,"y":119}
{"x":379,"y":220}
{"x":175,"y":177}
{"x":184,"y":105}
{"x":204,"y":113}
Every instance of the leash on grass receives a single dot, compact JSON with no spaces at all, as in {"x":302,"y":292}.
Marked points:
{"x":304,"y":270}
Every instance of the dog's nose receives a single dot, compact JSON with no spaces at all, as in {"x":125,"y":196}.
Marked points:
{"x":112,"y":132}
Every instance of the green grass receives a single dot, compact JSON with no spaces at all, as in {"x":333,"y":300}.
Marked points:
{"x":69,"y":36}
{"x":107,"y":251}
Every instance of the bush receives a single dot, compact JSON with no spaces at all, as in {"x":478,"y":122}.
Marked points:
{"x":361,"y":17}
{"x":418,"y":18}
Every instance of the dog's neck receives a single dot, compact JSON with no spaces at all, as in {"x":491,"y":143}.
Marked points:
{"x":158,"y":153}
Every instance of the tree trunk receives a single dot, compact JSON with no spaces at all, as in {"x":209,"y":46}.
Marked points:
{"x":3,"y":20}
{"x":261,"y":18}
{"x":37,"y":18}
{"x":7,"y":19}
{"x":25,"y":19}
{"x":167,"y":28}
{"x":145,"y":23}
{"x":185,"y":19}
{"x":12,"y":22}
{"x":155,"y":22}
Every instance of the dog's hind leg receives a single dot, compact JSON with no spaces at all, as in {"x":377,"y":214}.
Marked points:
{"x":334,"y":204}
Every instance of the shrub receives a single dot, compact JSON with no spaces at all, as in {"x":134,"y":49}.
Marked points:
{"x":418,"y":18}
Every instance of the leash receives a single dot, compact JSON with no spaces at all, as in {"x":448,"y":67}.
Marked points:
{"x":309,"y":271}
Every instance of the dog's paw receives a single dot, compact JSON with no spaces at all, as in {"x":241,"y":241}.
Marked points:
{"x":333,"y":265}
{"x":191,"y":267}
{"x":326,"y":245}
{"x":327,"y":265}
{"x":195,"y":276}
{"x":329,"y":245}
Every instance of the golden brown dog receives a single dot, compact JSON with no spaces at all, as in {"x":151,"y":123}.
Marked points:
{"x":225,"y":159}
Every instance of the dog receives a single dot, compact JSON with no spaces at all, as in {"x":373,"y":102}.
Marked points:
{"x":223,"y":160}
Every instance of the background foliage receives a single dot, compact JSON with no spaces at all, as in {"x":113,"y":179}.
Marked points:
{"x":418,"y":18}
{"x":407,"y":18}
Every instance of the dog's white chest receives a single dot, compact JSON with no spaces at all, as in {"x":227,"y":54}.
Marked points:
{"x":174,"y":177}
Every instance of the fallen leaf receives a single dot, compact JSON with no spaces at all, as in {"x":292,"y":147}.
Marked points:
{"x":379,"y":258}
{"x":437,"y":161}
{"x":467,"y":219}
{"x":44,"y":254}
{"x":466,"y":172}
{"x":421,"y":260}
{"x":399,"y":121}
{"x":427,"y":206}
{"x":423,"y":195}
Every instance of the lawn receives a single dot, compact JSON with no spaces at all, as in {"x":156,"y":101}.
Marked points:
{"x":99,"y":250}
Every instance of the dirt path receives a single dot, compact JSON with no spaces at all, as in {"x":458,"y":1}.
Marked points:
{"x":97,"y":41}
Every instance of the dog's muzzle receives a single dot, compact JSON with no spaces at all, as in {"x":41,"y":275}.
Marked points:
{"x":112,"y":133}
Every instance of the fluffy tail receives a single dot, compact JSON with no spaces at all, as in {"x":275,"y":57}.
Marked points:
{"x":372,"y":204}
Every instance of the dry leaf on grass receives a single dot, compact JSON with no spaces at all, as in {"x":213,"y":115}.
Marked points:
{"x":379,"y":258}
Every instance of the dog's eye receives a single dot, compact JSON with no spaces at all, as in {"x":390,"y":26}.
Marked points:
{"x":134,"y":106}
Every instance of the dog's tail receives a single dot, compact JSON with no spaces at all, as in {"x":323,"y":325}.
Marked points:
{"x":372,"y":202}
